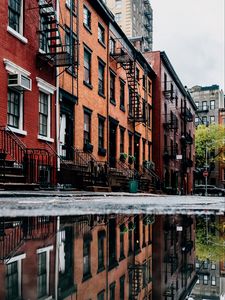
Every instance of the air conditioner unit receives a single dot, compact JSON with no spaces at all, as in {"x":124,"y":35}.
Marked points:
{"x":19,"y":82}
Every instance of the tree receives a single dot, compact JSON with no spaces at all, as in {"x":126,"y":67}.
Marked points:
{"x":210,"y":241}
{"x":211,"y":138}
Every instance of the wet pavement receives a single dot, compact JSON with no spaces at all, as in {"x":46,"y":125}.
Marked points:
{"x":58,"y":203}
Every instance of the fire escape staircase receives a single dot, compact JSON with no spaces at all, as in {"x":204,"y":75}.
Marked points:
{"x":57,"y":53}
{"x":137,"y":275}
{"x":129,"y":65}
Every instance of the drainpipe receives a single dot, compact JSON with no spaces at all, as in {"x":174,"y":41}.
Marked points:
{"x":107,"y":100}
{"x":57,"y":102}
{"x":57,"y":258}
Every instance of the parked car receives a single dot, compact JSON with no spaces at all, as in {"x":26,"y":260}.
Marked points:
{"x":211,"y":190}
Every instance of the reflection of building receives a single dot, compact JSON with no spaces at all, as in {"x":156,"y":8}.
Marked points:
{"x":173,"y":257}
{"x":135,"y":17}
{"x":210,"y":105}
{"x":173,"y":131}
{"x":82,"y":257}
{"x":211,"y":283}
{"x":221,"y":162}
{"x":27,"y":258}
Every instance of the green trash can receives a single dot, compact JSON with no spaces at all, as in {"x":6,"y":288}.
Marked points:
{"x":133,"y":186}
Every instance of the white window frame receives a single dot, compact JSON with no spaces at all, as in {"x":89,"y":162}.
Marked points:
{"x":18,"y":259}
{"x":19,"y":35}
{"x":12,"y":68}
{"x":47,"y":250}
{"x":49,"y":90}
{"x":213,"y":280}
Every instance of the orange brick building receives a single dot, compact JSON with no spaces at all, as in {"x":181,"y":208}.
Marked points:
{"x":106,"y":104}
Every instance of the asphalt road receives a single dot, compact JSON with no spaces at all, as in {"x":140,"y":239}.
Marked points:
{"x":54,"y":203}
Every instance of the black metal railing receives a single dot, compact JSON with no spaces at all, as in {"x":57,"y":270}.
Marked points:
{"x":186,"y":114}
{"x":38,"y":165}
{"x":171,"y":121}
{"x":186,"y":138}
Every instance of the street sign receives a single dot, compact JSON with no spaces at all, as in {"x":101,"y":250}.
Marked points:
{"x":205,"y":173}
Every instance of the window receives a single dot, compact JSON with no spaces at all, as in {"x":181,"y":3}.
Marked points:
{"x":212,"y":104}
{"x":198,"y":281}
{"x":196,"y":120}
{"x":149,"y":115}
{"x":122,"y":140}
{"x":204,"y":120}
{"x":87,"y":18}
{"x":130,"y":246}
{"x":112,"y":290}
{"x":118,"y":17}
{"x":118,"y":3}
{"x":43,"y":35}
{"x":43,"y":114}
{"x":46,"y":90}
{"x":205,"y":279}
{"x":14,"y":108}
{"x":112,"y":243}
{"x":112,"y":45}
{"x":212,"y":119}
{"x":143,"y":236}
{"x":197,"y":103}
{"x":205,"y":264}
{"x":144,"y":82}
{"x":101,"y":34}
{"x":121,"y":243}
{"x":213,"y":266}
{"x":137,"y":74}
{"x":112,"y":88}
{"x":165,"y":82}
{"x":149,"y":87}
{"x":101,"y":78}
{"x":15,"y":15}
{"x":70,"y":47}
{"x":13,"y":277}
{"x":130,"y":101}
{"x":122,"y":287}
{"x":122,"y":93}
{"x":204,"y":105}
{"x":101,"y":295}
{"x":87,"y":66}
{"x":197,"y":265}
{"x":43,"y":271}
{"x":101,"y":235}
{"x":213,"y":280}
{"x":86,"y":258}
{"x":101,"y":122}
{"x":87,"y":128}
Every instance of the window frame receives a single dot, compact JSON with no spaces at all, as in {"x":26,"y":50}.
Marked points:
{"x":101,"y":139}
{"x":48,"y":89}
{"x":87,"y":68}
{"x":85,"y":132}
{"x":112,"y":87}
{"x":87,"y":18}
{"x":101,"y":34}
{"x":212,"y":106}
{"x":122,"y":94}
{"x":101,"y":81}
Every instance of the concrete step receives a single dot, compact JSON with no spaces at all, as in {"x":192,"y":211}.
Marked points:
{"x":12,"y":178}
{"x":96,"y":188}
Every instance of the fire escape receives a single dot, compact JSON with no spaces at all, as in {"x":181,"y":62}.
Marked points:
{"x":54,"y":51}
{"x":128,"y":62}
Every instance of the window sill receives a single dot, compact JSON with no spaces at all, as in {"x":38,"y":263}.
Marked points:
{"x":100,"y":269}
{"x":45,"y":138}
{"x":122,"y":108}
{"x":88,"y":85}
{"x":86,"y":277}
{"x":113,"y":102}
{"x":122,"y":257}
{"x":17,"y":35}
{"x":87,"y":28}
{"x":101,"y":95}
{"x":17,"y":130}
{"x":102,"y":44}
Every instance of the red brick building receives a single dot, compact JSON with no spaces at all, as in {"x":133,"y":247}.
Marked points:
{"x":28,"y":103}
{"x":173,"y":131}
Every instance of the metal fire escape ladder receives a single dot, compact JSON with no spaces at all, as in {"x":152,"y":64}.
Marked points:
{"x":136,"y":271}
{"x":135,"y":103}
{"x":57,"y":54}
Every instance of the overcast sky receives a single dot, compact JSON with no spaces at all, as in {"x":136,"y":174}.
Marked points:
{"x":191,"y":32}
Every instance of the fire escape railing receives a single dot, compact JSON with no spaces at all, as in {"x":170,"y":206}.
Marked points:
{"x":171,"y":122}
{"x":186,"y":114}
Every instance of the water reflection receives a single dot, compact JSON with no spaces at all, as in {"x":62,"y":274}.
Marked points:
{"x":111,"y":257}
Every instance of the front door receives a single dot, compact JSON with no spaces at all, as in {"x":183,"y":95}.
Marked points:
{"x":112,"y":145}
{"x":137,"y":152}
{"x":66,"y":132}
